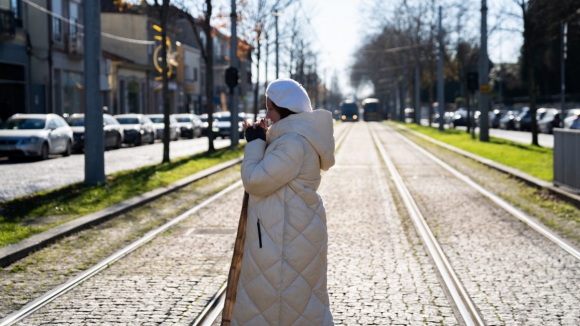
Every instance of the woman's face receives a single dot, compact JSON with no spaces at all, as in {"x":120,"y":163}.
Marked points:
{"x":271,"y":113}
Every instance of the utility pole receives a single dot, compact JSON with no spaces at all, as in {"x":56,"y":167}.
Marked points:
{"x":94,"y":146}
{"x":563,"y":66}
{"x":276,"y":14}
{"x":483,"y":78}
{"x":440,"y":90}
{"x":165,"y":86}
{"x":403,"y":90}
{"x":417,"y":95}
{"x":234,"y":116}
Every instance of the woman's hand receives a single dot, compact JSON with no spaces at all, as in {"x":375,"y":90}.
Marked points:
{"x":245,"y":125}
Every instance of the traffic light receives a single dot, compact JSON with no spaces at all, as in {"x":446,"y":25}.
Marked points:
{"x":472,"y":81}
{"x":232,"y":77}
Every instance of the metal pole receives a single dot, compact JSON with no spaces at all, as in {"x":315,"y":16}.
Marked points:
{"x":94,"y":146}
{"x":235,"y":133}
{"x":483,"y":78}
{"x":417,"y":95}
{"x":563,"y":67}
{"x":276,"y":14}
{"x":440,"y":90}
{"x":403,"y":90}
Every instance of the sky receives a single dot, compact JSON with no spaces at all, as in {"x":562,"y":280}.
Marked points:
{"x":339,"y":28}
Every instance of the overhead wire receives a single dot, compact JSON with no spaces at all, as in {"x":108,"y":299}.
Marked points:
{"x":66,"y":20}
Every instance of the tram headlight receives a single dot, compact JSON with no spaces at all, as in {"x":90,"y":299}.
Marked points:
{"x":344,"y":117}
{"x":355,"y":116}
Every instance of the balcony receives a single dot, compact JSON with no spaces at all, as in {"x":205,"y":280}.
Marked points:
{"x":221,"y":60}
{"x":75,"y":45}
{"x":7,"y":25}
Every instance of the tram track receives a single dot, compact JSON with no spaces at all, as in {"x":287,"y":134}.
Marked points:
{"x":460,"y":297}
{"x":210,"y":312}
{"x":469,"y":312}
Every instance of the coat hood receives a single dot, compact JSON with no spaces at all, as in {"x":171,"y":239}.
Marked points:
{"x":316,"y":126}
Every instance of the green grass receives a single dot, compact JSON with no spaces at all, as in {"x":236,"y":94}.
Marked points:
{"x":19,"y":216}
{"x":534,"y":160}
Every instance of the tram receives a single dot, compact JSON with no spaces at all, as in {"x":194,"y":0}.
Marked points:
{"x":349,"y":111}
{"x":371,"y":109}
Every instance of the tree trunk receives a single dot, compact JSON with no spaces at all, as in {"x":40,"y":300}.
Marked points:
{"x":431,"y":104}
{"x":257,"y":87}
{"x":528,"y":40}
{"x":165,"y":90}
{"x":209,"y":74}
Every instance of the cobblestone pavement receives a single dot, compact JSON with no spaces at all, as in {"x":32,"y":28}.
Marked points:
{"x":378,"y":271}
{"x":514,"y":275}
{"x":43,"y":270}
{"x":23,"y":178}
{"x":167,"y":281}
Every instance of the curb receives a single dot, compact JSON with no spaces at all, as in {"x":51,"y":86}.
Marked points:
{"x":14,"y":252}
{"x":530,"y":180}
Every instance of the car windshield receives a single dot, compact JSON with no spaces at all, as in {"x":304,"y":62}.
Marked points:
{"x":223,"y":118}
{"x":183,"y":119}
{"x":23,"y":123}
{"x":128,"y":121}
{"x":203,"y":119}
{"x":349,"y":109}
{"x":77,"y":122}
{"x":156,"y":120}
{"x":371,"y":107}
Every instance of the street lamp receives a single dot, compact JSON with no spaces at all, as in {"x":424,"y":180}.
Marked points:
{"x":277,"y":14}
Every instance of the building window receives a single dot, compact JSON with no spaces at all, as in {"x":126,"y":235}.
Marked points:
{"x":72,"y":90}
{"x":74,"y":17}
{"x":133,"y":97}
{"x":194,"y":74}
{"x":56,"y":22}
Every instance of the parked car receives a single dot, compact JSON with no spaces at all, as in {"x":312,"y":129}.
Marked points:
{"x":189,"y":125}
{"x":507,"y":122}
{"x":221,"y":125}
{"x":112,"y":131}
{"x":137,"y":128}
{"x":494,"y":118}
{"x":35,"y":135}
{"x":458,"y":118}
{"x":524,"y":120}
{"x":572,"y":120}
{"x":552,"y":118}
{"x":159,"y":125}
{"x":204,"y":125}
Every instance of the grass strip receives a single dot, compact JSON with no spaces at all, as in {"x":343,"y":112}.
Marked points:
{"x":26,"y":216}
{"x":533,"y":160}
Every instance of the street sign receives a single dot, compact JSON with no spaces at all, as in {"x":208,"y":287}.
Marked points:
{"x":232,"y":77}
{"x":484,"y":89}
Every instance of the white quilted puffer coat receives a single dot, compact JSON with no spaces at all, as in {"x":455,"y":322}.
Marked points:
{"x":283,"y":282}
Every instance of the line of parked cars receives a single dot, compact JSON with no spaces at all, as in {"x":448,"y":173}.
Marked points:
{"x":547,"y":119}
{"x":41,"y":135}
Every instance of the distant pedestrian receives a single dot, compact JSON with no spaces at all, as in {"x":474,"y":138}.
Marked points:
{"x":283,"y":272}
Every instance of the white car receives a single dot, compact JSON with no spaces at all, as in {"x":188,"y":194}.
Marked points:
{"x":572,"y":119}
{"x":35,"y":135}
{"x":159,"y":125}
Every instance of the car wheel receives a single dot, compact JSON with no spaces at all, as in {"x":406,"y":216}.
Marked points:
{"x":44,"y":152}
{"x":118,"y":142}
{"x":138,"y":141}
{"x":68,"y":150}
{"x":152,"y":138}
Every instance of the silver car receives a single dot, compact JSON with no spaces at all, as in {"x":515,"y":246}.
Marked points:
{"x":159,"y":125}
{"x":189,"y":125}
{"x":572,"y":119}
{"x":35,"y":135}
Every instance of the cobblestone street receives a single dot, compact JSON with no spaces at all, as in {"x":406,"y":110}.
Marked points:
{"x":379,"y":272}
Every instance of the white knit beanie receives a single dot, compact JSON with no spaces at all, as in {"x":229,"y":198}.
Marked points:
{"x":287,"y":93}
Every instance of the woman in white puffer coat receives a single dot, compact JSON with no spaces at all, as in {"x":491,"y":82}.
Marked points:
{"x":283,"y":274}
